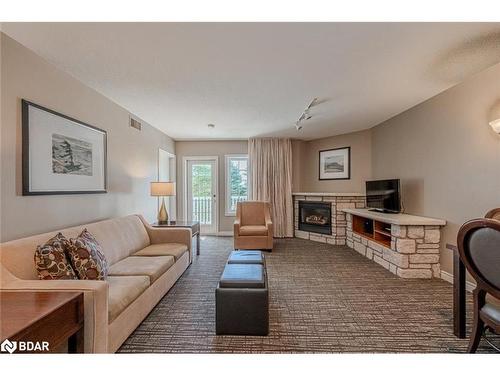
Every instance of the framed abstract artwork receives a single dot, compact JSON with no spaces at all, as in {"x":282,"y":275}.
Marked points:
{"x":61,"y":155}
{"x":335,"y":164}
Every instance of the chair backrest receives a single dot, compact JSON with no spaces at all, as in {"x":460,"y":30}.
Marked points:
{"x":252,"y":212}
{"x":493,"y":214}
{"x":479,"y":248}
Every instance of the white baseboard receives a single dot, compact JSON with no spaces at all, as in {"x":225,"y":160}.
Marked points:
{"x":446,"y":276}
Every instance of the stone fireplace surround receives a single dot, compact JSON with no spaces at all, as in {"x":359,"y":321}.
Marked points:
{"x":338,"y":202}
{"x":412,"y":250}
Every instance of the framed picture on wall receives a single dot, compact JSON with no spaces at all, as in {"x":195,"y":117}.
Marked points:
{"x":61,"y":155}
{"x":335,"y":164}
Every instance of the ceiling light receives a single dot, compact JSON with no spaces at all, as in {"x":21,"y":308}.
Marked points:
{"x":305,"y":115}
{"x":495,"y":124}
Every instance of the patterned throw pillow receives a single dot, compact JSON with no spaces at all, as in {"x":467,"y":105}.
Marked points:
{"x":87,"y":258}
{"x":51,"y":262}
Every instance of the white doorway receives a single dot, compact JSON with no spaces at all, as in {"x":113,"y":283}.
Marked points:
{"x":201,"y":192}
{"x":166,"y":172}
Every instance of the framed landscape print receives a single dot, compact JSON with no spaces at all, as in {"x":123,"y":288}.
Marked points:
{"x":335,"y":164}
{"x":61,"y":155}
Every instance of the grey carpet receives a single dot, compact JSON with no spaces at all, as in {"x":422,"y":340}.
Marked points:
{"x":323,"y":298}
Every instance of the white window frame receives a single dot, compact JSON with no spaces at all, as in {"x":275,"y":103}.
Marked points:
{"x":227,"y":198}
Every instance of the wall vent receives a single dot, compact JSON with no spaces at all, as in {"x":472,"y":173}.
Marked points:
{"x":135,"y":124}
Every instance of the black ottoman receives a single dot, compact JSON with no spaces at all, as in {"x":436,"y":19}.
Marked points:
{"x":246,"y":257}
{"x":242,"y":301}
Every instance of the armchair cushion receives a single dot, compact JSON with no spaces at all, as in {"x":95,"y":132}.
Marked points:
{"x":173,"y":249}
{"x":252,"y":213}
{"x":253,"y":230}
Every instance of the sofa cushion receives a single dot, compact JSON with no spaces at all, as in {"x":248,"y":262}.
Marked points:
{"x":174,"y":249}
{"x":51,"y":262}
{"x":120,"y":237}
{"x":123,"y":290}
{"x":87,"y":258}
{"x":153,"y":267}
{"x":253,"y":230}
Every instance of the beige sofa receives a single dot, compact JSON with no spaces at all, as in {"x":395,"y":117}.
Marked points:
{"x":144,"y":263}
{"x":253,"y":227}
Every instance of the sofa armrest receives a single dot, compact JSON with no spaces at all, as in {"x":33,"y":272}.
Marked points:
{"x":168,"y":235}
{"x":95,"y":297}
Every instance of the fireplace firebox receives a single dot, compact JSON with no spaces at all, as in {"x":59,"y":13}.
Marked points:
{"x":315,"y":217}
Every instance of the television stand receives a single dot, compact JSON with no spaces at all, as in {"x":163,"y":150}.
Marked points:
{"x":406,"y":245}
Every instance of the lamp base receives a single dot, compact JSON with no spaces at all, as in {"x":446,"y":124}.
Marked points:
{"x":162,"y":214}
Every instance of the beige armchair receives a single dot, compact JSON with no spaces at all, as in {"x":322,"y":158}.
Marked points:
{"x":253,"y":227}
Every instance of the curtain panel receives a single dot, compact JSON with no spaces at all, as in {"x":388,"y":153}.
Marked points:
{"x":271,"y":179}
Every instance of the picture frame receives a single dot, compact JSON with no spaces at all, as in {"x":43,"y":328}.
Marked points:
{"x":60,"y":154}
{"x":335,"y":164}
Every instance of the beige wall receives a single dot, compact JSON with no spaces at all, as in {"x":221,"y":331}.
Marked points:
{"x":446,"y":155}
{"x":306,"y":159}
{"x":132,"y":155}
{"x":208,"y":148}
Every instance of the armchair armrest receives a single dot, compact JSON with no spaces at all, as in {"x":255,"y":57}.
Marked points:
{"x":269,"y":223}
{"x":95,"y":300}
{"x":236,"y":227}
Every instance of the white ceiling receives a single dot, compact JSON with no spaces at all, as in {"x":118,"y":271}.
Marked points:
{"x":252,"y":79}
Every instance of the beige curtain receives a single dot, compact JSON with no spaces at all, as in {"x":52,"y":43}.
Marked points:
{"x":271,"y":178}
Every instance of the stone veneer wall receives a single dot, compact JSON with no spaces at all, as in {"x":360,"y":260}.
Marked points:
{"x":339,"y":222}
{"x":414,"y":251}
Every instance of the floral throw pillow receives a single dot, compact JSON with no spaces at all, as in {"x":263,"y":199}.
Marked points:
{"x":87,"y":258}
{"x":51,"y":262}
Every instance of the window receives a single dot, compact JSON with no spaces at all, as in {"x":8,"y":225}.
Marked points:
{"x":236,"y":182}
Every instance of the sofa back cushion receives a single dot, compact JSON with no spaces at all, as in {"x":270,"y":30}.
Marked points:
{"x":118,"y":238}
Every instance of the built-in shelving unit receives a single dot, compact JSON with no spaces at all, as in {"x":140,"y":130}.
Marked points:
{"x":372,"y":229}
{"x":406,"y":245}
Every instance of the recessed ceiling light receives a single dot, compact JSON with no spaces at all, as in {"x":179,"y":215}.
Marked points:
{"x":211,"y":126}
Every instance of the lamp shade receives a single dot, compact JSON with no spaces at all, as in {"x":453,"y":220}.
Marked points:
{"x":162,"y":189}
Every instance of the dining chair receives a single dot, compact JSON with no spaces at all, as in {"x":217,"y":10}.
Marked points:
{"x":493,"y":214}
{"x":479,"y":248}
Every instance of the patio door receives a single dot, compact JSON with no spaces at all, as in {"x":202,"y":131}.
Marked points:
{"x":201,"y":199}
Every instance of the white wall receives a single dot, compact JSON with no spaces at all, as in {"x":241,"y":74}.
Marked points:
{"x":132,"y":155}
{"x":446,"y":155}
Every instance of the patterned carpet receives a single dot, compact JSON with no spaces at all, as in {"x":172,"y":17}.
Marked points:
{"x":323,"y":298}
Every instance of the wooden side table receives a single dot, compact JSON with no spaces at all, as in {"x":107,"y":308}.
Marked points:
{"x":193,"y":225}
{"x":52,"y":317}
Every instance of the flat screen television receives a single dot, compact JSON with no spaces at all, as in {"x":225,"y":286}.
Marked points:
{"x":383,"y":195}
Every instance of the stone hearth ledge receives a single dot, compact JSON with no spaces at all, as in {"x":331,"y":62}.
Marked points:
{"x":397,"y":219}
{"x":313,"y":194}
